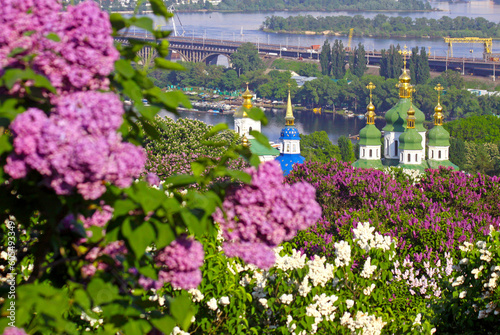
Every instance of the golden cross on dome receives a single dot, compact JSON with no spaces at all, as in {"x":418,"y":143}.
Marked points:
{"x":371,"y":87}
{"x":405,"y":53}
{"x":439,"y":89}
{"x":247,"y":84}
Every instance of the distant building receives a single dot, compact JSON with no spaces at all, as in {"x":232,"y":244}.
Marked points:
{"x":243,"y":125}
{"x":289,"y":142}
{"x":404,"y":135}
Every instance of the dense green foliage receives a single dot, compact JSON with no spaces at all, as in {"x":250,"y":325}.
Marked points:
{"x":384,"y":26}
{"x":391,"y":64}
{"x":357,"y":61}
{"x":246,"y":58}
{"x":317,"y":147}
{"x":480,"y":129}
{"x":475,"y":143}
{"x":346,"y":149}
{"x":309,"y":5}
{"x":419,"y":66}
{"x":301,"y":68}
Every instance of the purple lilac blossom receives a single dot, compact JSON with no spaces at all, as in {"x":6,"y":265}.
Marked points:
{"x":81,"y":59}
{"x":183,"y":259}
{"x":114,"y":250}
{"x":14,"y":331}
{"x":99,"y":218}
{"x":265,"y":213}
{"x":77,"y":146}
{"x":152,"y":179}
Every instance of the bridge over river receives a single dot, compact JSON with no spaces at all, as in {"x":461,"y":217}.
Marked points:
{"x":207,"y":50}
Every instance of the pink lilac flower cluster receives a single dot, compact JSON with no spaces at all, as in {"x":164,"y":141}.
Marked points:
{"x":115,"y":250}
{"x":256,"y":218}
{"x":77,"y":146}
{"x":180,"y":262}
{"x":81,"y":58}
{"x":14,"y":331}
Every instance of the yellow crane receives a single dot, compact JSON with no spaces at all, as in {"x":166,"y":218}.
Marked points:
{"x":488,"y":44}
{"x":350,"y":39}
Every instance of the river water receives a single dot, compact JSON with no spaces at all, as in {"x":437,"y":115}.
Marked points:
{"x":306,"y":122}
{"x":245,"y":27}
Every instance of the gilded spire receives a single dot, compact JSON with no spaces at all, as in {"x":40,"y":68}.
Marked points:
{"x":370,"y":114}
{"x":410,"y":120}
{"x":241,"y":112}
{"x":438,"y":110}
{"x":245,"y":142}
{"x":247,"y":98}
{"x":405,"y":88}
{"x":289,"y":119}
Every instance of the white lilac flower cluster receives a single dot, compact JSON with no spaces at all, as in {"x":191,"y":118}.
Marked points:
{"x":426,"y":282}
{"x":368,"y":324}
{"x":476,"y":270}
{"x":413,"y":176}
{"x":366,"y":239}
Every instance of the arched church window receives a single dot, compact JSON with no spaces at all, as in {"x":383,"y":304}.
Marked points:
{"x":409,"y":158}
{"x":416,"y":158}
{"x":294,"y":148}
{"x":396,"y":148}
{"x":370,"y":153}
{"x":363,"y":153}
{"x":439,"y":154}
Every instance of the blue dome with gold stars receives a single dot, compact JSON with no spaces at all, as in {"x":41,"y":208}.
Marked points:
{"x":289,"y":133}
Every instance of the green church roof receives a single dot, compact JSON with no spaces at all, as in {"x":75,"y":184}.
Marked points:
{"x":410,"y":140}
{"x":438,"y":137}
{"x":436,"y":164}
{"x":395,"y":117}
{"x":261,"y":150}
{"x":370,"y":135}
{"x":368,"y":164}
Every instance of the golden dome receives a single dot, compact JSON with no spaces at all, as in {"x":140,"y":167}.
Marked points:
{"x":410,"y":120}
{"x":247,"y":104}
{"x":370,"y":107}
{"x":404,"y":77}
{"x":438,"y":108}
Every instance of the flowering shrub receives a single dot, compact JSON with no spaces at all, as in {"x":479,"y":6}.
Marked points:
{"x":179,"y":145}
{"x":81,"y":241}
{"x":472,"y":298}
{"x":73,"y":49}
{"x":300,"y":295}
{"x":259,"y":216}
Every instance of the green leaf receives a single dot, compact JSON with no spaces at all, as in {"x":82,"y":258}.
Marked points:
{"x":149,"y":198}
{"x":197,"y":168}
{"x":140,"y":237}
{"x":239,"y":175}
{"x":261,"y":138}
{"x":118,"y":22}
{"x":159,"y":8}
{"x":82,"y":299}
{"x":123,"y":207}
{"x":124,"y":68}
{"x":163,"y":48}
{"x":151,"y":131}
{"x":5,"y":145}
{"x":182,"y":310}
{"x":135,"y":326}
{"x":216,"y":129}
{"x":168,"y":65}
{"x":54,"y":37}
{"x":258,"y":115}
{"x":254,"y":160}
{"x":180,"y":180}
{"x":101,"y":292}
{"x":142,"y":22}
{"x":132,"y":90}
{"x":165,"y":234}
{"x":164,"y":324}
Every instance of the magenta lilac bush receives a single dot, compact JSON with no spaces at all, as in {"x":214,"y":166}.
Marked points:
{"x":256,"y":218}
{"x":76,"y":146}
{"x":74,"y":49}
{"x":432,"y":217}
{"x":180,"y":264}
